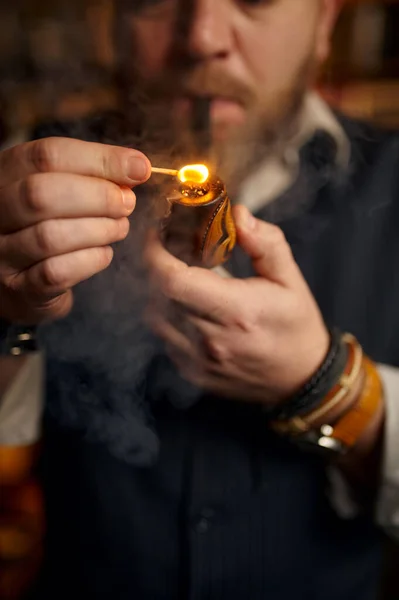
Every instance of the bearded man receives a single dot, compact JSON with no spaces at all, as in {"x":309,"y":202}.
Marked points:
{"x":246,"y":448}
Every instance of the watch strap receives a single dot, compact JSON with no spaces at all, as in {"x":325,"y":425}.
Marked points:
{"x":16,"y":339}
{"x":349,"y":428}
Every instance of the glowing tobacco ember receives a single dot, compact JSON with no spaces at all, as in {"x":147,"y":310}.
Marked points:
{"x":207,"y":235}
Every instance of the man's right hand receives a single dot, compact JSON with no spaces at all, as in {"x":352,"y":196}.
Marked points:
{"x":62,"y":203}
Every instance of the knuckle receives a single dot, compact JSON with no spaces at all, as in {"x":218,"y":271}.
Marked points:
{"x":59,"y":307}
{"x":33,"y":194}
{"x":10,"y":281}
{"x":46,"y":236}
{"x":49,"y":276}
{"x":63,"y":309}
{"x":243,"y":317}
{"x":217,"y":350}
{"x":243,"y":323}
{"x":44,"y":154}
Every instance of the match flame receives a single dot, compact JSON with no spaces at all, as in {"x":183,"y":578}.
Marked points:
{"x":193,"y":173}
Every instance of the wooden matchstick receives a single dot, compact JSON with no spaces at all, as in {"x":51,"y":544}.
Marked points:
{"x":162,"y":171}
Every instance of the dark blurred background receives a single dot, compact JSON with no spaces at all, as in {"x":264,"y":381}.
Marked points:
{"x":56,"y":59}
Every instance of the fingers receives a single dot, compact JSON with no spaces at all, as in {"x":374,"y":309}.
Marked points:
{"x":62,"y":202}
{"x":54,"y":276}
{"x":266,"y":245}
{"x":171,"y":335}
{"x":60,"y":236}
{"x":53,"y":196}
{"x":198,"y":290}
{"x":123,"y":166}
{"x":187,"y":354}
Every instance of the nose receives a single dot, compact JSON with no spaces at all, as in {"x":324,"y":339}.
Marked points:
{"x":210,"y":34}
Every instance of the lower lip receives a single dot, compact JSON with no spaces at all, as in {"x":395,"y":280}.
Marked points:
{"x":226,"y":112}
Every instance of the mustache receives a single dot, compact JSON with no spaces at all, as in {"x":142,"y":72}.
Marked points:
{"x":202,"y":82}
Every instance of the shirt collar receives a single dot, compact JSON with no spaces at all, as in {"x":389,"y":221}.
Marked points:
{"x":275,"y":175}
{"x":317,"y":116}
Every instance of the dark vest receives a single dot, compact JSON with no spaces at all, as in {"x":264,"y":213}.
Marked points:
{"x":227,"y":511}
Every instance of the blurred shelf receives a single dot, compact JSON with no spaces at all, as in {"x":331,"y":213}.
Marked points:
{"x":377,"y":101}
{"x":57,"y":57}
{"x":354,"y":2}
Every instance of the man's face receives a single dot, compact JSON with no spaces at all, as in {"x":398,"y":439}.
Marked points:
{"x":252,"y":58}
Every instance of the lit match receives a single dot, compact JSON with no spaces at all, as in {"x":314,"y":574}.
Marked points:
{"x":189,"y":173}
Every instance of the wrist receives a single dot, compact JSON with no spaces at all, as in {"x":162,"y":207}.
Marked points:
{"x":347,"y":415}
{"x":313,"y":392}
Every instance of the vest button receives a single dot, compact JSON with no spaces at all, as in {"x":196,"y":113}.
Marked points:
{"x":203,"y":522}
{"x":202,"y":525}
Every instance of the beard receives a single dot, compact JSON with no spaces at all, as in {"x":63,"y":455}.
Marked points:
{"x":272,"y":118}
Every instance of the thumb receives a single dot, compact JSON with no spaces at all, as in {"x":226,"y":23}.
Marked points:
{"x":267,"y":247}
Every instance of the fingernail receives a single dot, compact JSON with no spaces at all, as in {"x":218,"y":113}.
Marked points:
{"x":129,"y":198}
{"x":138,"y":169}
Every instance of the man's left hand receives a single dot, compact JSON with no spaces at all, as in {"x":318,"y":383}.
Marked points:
{"x":257,"y":339}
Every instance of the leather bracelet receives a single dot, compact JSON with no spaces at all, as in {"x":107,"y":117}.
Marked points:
{"x":345,"y":432}
{"x":349,"y":428}
{"x":337,"y":394}
{"x":315,"y":390}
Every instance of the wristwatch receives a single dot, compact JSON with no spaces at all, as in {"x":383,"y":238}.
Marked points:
{"x":17,"y":339}
{"x":344,"y":434}
{"x":319,"y":430}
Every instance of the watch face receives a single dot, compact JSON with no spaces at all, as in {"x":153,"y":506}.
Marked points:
{"x":18,"y":339}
